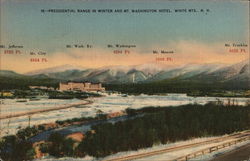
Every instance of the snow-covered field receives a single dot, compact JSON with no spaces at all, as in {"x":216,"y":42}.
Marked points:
{"x":108,"y":104}
{"x":12,"y":106}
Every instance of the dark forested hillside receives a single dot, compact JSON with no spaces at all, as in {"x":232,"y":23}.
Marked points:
{"x":12,"y":80}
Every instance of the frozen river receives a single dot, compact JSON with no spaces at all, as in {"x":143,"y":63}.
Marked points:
{"x":110,"y":103}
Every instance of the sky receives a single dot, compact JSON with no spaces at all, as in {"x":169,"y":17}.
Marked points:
{"x":198,"y":37}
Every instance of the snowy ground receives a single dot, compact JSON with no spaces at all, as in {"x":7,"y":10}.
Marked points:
{"x":110,"y":103}
{"x":12,"y":106}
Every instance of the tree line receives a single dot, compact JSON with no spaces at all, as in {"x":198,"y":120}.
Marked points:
{"x":164,"y":125}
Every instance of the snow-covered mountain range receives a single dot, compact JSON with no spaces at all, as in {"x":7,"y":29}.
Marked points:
{"x":149,"y":72}
{"x":152,"y":72}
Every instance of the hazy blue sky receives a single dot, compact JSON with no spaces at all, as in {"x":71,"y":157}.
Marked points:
{"x":23,"y":23}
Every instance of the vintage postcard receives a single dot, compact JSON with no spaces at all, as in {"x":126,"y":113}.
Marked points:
{"x":116,"y":80}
